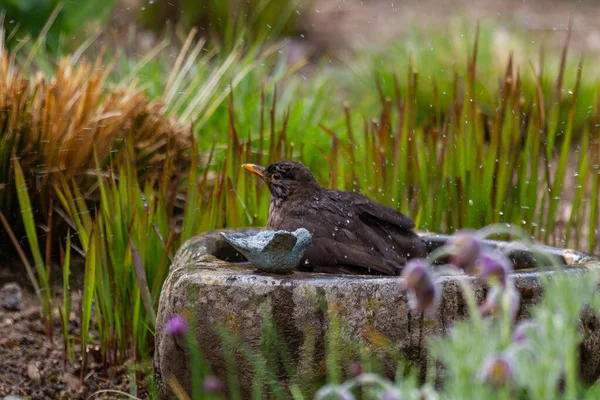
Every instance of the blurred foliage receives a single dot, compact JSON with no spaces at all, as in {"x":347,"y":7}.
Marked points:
{"x":440,"y":58}
{"x":225,"y":19}
{"x":62,"y":23}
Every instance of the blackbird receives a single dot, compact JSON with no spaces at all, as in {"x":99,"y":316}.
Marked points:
{"x":350,"y":232}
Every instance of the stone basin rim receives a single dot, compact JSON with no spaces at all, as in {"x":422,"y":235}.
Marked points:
{"x":214,"y":253}
{"x":218,"y":292}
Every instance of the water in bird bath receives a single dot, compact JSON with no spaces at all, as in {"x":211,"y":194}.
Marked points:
{"x":523,"y":260}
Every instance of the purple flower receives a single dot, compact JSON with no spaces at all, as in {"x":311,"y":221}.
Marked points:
{"x":493,"y":266}
{"x":497,"y":370}
{"x":177,"y":326}
{"x":465,"y":249}
{"x":507,"y":298}
{"x":415,"y":274}
{"x":425,"y":297}
{"x":212,"y":384}
{"x":355,"y":369}
{"x":523,"y":331}
{"x":423,"y":292}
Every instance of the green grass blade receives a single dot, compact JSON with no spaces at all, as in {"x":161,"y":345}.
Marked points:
{"x":29,"y":223}
{"x":142,"y":281}
{"x":89,"y":285}
{"x":66,"y":309}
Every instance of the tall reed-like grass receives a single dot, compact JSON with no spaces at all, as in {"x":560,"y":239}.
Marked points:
{"x":442,"y":54}
{"x":127,"y":244}
{"x":463,"y":168}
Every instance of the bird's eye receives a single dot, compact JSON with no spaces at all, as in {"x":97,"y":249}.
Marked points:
{"x":276,"y":176}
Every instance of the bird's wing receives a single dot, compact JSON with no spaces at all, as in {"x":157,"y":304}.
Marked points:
{"x":387,"y":230}
{"x":281,"y":241}
{"x":386,"y":225}
{"x":338,"y":256}
{"x":351,"y":232}
{"x":373,"y":212}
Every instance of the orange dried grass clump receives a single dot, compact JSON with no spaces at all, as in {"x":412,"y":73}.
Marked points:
{"x":53,"y":126}
{"x":56,"y":123}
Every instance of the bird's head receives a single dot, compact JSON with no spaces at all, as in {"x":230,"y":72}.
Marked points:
{"x":285,"y":178}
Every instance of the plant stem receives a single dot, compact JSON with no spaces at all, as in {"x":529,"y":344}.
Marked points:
{"x":469,"y":296}
{"x":571,"y":367}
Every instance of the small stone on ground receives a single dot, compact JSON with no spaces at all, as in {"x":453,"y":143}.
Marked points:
{"x":11,"y":297}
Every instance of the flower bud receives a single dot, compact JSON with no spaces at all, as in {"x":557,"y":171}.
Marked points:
{"x":355,"y":369}
{"x":415,"y":274}
{"x":423,"y":292}
{"x":177,"y":326}
{"x":424,"y":297}
{"x":492,"y":265}
{"x":497,"y":370}
{"x":465,"y":249}
{"x":212,"y":384}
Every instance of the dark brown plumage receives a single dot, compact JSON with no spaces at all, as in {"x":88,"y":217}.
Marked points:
{"x":351,"y":233}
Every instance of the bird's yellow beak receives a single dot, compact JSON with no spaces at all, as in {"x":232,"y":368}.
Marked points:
{"x":255,"y":169}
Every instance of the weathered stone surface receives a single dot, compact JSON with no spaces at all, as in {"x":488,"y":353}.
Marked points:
{"x":212,"y":292}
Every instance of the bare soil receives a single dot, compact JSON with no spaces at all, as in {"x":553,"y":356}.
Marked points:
{"x":34,"y":367}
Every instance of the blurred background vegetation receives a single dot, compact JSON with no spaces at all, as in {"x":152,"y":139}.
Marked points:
{"x":125,"y":122}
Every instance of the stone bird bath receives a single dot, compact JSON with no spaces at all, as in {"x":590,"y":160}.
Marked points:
{"x":208,"y":284}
